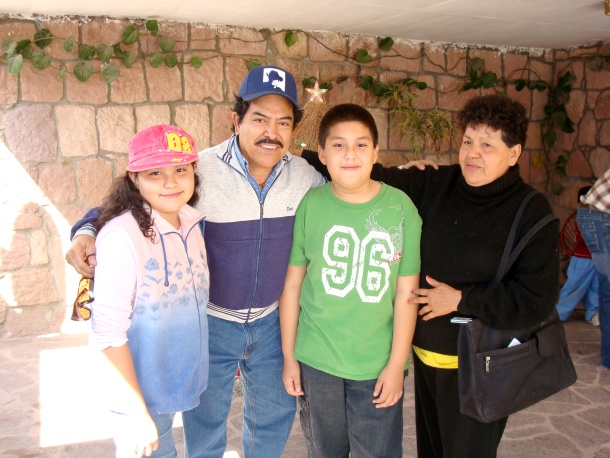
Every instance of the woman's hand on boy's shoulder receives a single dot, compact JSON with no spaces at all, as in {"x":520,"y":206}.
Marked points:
{"x":291,"y":375}
{"x":420,"y":164}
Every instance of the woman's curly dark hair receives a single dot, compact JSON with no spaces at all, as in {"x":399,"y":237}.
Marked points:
{"x":125,"y":196}
{"x":499,"y":113}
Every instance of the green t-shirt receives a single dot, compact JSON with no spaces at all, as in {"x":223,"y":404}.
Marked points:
{"x":354,"y":254}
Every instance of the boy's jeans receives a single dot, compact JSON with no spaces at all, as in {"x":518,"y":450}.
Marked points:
{"x":582,"y":284}
{"x":595,"y":229}
{"x":268,"y":410}
{"x":338,"y":417}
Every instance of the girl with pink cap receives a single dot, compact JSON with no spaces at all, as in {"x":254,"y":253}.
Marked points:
{"x":151,"y":290}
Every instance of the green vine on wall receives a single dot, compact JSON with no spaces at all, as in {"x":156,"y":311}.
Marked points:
{"x":424,"y":129}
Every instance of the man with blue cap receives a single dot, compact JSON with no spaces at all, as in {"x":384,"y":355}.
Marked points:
{"x":251,"y":188}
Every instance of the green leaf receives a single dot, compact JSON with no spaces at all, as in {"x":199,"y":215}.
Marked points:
{"x":562,"y":160}
{"x":253,"y":63}
{"x":520,"y":85}
{"x":477,"y":64}
{"x":22,"y":46}
{"x":421,"y":85}
{"x":153,"y":27}
{"x":468,"y":86}
{"x":342,"y":79}
{"x":367,"y":82}
{"x":167,"y":44}
{"x":568,"y":127}
{"x":550,"y":137}
{"x":409,"y":81}
{"x":309,"y":82}
{"x":328,"y":86}
{"x":541,"y":85}
{"x":531,"y":85}
{"x":69,"y":44}
{"x":489,"y":79}
{"x":110,"y":73}
{"x":14,"y":62}
{"x":43,"y":37}
{"x":118,"y":51}
{"x":40,"y":60}
{"x":477,"y":83}
{"x":83,"y":71}
{"x":129,"y":59}
{"x":86,"y":52}
{"x":363,"y":57}
{"x":473,"y":75}
{"x":130,"y":34}
{"x":290,"y":38}
{"x":386,"y":44}
{"x":156,"y":60}
{"x":62,"y":72}
{"x":381,"y":89}
{"x":196,"y":62}
{"x":538,"y":161}
{"x":556,"y":188}
{"x":104,"y":52}
{"x":170,"y":60}
{"x":559,"y":118}
{"x":9,"y":45}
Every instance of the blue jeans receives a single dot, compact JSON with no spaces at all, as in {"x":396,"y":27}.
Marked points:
{"x":338,"y":417}
{"x":268,"y":410}
{"x":582,"y":284}
{"x":595,"y":229}
{"x":124,"y":445}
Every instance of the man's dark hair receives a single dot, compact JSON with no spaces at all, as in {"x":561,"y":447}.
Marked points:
{"x":241,"y":107}
{"x":125,"y":196}
{"x":499,"y":113}
{"x":347,"y":112}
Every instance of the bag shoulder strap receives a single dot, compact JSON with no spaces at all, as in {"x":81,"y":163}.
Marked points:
{"x":509,"y":256}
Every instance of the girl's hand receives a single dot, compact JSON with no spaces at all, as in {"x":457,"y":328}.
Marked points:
{"x":291,"y":375}
{"x":146,"y":438}
{"x":389,"y":386}
{"x":441,"y":299}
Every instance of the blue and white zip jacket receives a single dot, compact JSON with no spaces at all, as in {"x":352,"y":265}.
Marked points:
{"x":248,"y":231}
{"x":153,"y":296}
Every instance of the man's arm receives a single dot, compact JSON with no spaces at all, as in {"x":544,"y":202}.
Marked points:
{"x":81,"y":254}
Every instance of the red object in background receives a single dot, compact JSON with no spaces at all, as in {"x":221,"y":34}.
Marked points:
{"x":238,"y":374}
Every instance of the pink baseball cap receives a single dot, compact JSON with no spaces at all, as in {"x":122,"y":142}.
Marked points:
{"x":160,"y":146}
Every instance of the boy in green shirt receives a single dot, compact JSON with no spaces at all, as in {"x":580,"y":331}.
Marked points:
{"x":345,"y":318}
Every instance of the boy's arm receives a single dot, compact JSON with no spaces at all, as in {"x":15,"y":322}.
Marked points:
{"x":289,"y":321}
{"x":389,"y":386}
{"x":81,"y":254}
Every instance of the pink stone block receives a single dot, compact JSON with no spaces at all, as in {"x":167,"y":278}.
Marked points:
{"x":130,"y":86}
{"x":40,"y":85}
{"x":58,"y":184}
{"x":456,"y":61}
{"x":221,"y":123}
{"x":327,"y":46}
{"x":578,"y":166}
{"x":235,"y":69}
{"x":17,"y":255}
{"x":203,"y":37}
{"x":296,"y":51}
{"x":164,"y":84}
{"x":587,"y":130}
{"x":204,"y":82}
{"x":94,"y":91}
{"x":33,"y":287}
{"x":176,"y":30}
{"x":9,"y":87}
{"x":404,"y":56}
{"x":434,"y":58}
{"x":95,"y":179}
{"x":30,"y":134}
{"x":61,"y":29}
{"x":602,"y":107}
{"x":27,"y":221}
{"x":242,"y":41}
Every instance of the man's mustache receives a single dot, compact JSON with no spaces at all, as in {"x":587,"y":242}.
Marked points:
{"x":269,"y":141}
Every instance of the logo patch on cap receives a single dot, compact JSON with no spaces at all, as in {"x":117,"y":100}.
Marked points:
{"x":274,"y":78}
{"x":177,"y":142}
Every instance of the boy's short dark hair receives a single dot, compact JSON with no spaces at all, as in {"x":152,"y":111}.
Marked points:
{"x":347,"y":112}
{"x":498,"y":112}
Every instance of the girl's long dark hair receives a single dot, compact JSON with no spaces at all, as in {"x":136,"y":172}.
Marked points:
{"x":125,"y":196}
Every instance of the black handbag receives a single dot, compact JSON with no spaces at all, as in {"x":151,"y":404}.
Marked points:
{"x":495,"y":379}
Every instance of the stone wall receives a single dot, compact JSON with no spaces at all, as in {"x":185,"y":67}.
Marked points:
{"x":65,"y":141}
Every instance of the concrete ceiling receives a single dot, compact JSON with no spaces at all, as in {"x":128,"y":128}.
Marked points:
{"x":501,"y":23}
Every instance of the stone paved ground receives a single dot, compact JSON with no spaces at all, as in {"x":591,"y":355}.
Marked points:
{"x":50,"y":406}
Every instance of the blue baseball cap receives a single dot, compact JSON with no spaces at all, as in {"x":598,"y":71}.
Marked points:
{"x":267,"y":80}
